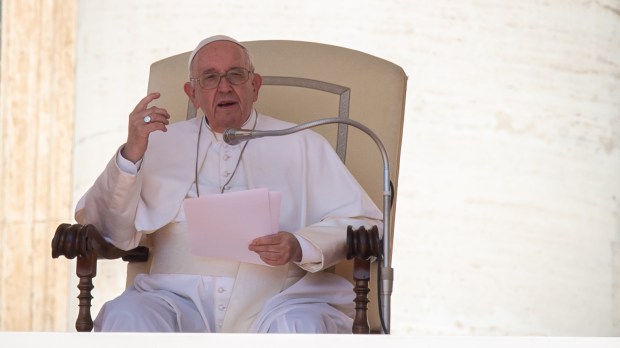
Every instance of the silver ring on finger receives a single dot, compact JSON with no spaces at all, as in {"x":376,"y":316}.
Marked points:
{"x":147,"y":119}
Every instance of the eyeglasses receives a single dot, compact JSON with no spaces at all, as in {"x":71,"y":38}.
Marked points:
{"x":234,"y":76}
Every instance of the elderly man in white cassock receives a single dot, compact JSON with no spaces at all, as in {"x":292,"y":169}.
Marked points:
{"x":142,"y":191}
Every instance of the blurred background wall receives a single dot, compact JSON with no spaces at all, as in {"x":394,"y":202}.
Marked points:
{"x":508,"y":210}
{"x":37,"y":104}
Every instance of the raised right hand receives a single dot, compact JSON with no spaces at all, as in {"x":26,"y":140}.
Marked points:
{"x":138,"y":133}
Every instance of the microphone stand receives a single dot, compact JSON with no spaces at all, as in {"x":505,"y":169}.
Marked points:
{"x":235,"y":136}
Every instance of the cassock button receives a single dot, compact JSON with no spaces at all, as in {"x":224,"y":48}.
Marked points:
{"x":226,"y":157}
{"x":221,"y":307}
{"x":220,"y":290}
{"x":226,"y":174}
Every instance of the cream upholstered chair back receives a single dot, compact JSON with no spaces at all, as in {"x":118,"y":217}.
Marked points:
{"x":306,"y":81}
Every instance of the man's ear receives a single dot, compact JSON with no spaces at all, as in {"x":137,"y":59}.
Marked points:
{"x":257,"y":82}
{"x":191,"y":93}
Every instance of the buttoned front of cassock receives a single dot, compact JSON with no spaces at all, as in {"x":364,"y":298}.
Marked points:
{"x":229,"y":158}
{"x":222,"y":170}
{"x":223,"y":290}
{"x":216,"y":174}
{"x":219,"y":171}
{"x":219,"y":164}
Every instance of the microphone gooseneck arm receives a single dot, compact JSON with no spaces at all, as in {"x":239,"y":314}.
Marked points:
{"x":234,"y":136}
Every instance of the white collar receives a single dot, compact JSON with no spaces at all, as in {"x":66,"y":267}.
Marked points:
{"x":250,"y":122}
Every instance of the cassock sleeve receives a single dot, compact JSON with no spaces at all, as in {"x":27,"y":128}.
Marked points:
{"x":334,"y":200}
{"x":110,"y":205}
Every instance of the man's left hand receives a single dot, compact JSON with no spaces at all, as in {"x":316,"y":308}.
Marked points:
{"x":277,"y":249}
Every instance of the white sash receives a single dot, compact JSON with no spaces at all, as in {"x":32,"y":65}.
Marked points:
{"x":254,"y":284}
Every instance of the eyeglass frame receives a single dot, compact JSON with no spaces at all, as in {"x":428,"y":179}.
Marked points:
{"x":225,"y":75}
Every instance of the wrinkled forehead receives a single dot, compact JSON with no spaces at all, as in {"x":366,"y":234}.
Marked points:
{"x":210,"y":40}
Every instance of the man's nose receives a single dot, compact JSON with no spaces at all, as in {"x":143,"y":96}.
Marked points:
{"x":224,"y":85}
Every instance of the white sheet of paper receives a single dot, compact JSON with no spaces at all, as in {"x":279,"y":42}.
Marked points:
{"x":224,"y":225}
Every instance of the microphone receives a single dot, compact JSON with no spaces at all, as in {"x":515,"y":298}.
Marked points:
{"x":234,"y":136}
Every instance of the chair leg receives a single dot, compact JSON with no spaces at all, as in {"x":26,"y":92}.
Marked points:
{"x":361,"y":275}
{"x":86,"y":270}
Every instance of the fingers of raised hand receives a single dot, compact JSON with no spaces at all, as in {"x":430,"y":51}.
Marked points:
{"x":152,"y":115}
{"x":149,"y":120}
{"x":145,"y":101}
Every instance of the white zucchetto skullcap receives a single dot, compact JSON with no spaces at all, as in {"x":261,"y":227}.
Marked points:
{"x":207,"y":41}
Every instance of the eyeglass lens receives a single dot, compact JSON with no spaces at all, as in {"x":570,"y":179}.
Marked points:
{"x":235,"y":76}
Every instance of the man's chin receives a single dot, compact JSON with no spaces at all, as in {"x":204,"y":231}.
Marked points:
{"x":228,"y":112}
{"x":223,"y":122}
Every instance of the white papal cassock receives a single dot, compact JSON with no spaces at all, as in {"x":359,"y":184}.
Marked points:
{"x":320,"y":198}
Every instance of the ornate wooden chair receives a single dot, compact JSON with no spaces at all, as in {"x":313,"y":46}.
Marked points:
{"x":302,"y":81}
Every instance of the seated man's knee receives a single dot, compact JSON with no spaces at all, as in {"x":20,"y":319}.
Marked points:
{"x":136,"y":312}
{"x":307,"y":320}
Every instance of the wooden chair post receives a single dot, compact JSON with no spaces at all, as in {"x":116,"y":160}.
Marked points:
{"x":86,"y":270}
{"x":87,"y":244}
{"x":361,"y":276}
{"x":363,"y":246}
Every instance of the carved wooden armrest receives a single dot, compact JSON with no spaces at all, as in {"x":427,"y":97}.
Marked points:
{"x":364,"y":246}
{"x":86,"y":243}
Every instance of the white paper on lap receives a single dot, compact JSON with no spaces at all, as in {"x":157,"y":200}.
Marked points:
{"x":223,"y":225}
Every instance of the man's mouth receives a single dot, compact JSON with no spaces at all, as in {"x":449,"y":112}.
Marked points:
{"x":226,"y":104}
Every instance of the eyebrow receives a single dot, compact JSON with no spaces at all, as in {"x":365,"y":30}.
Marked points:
{"x":212,"y":70}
